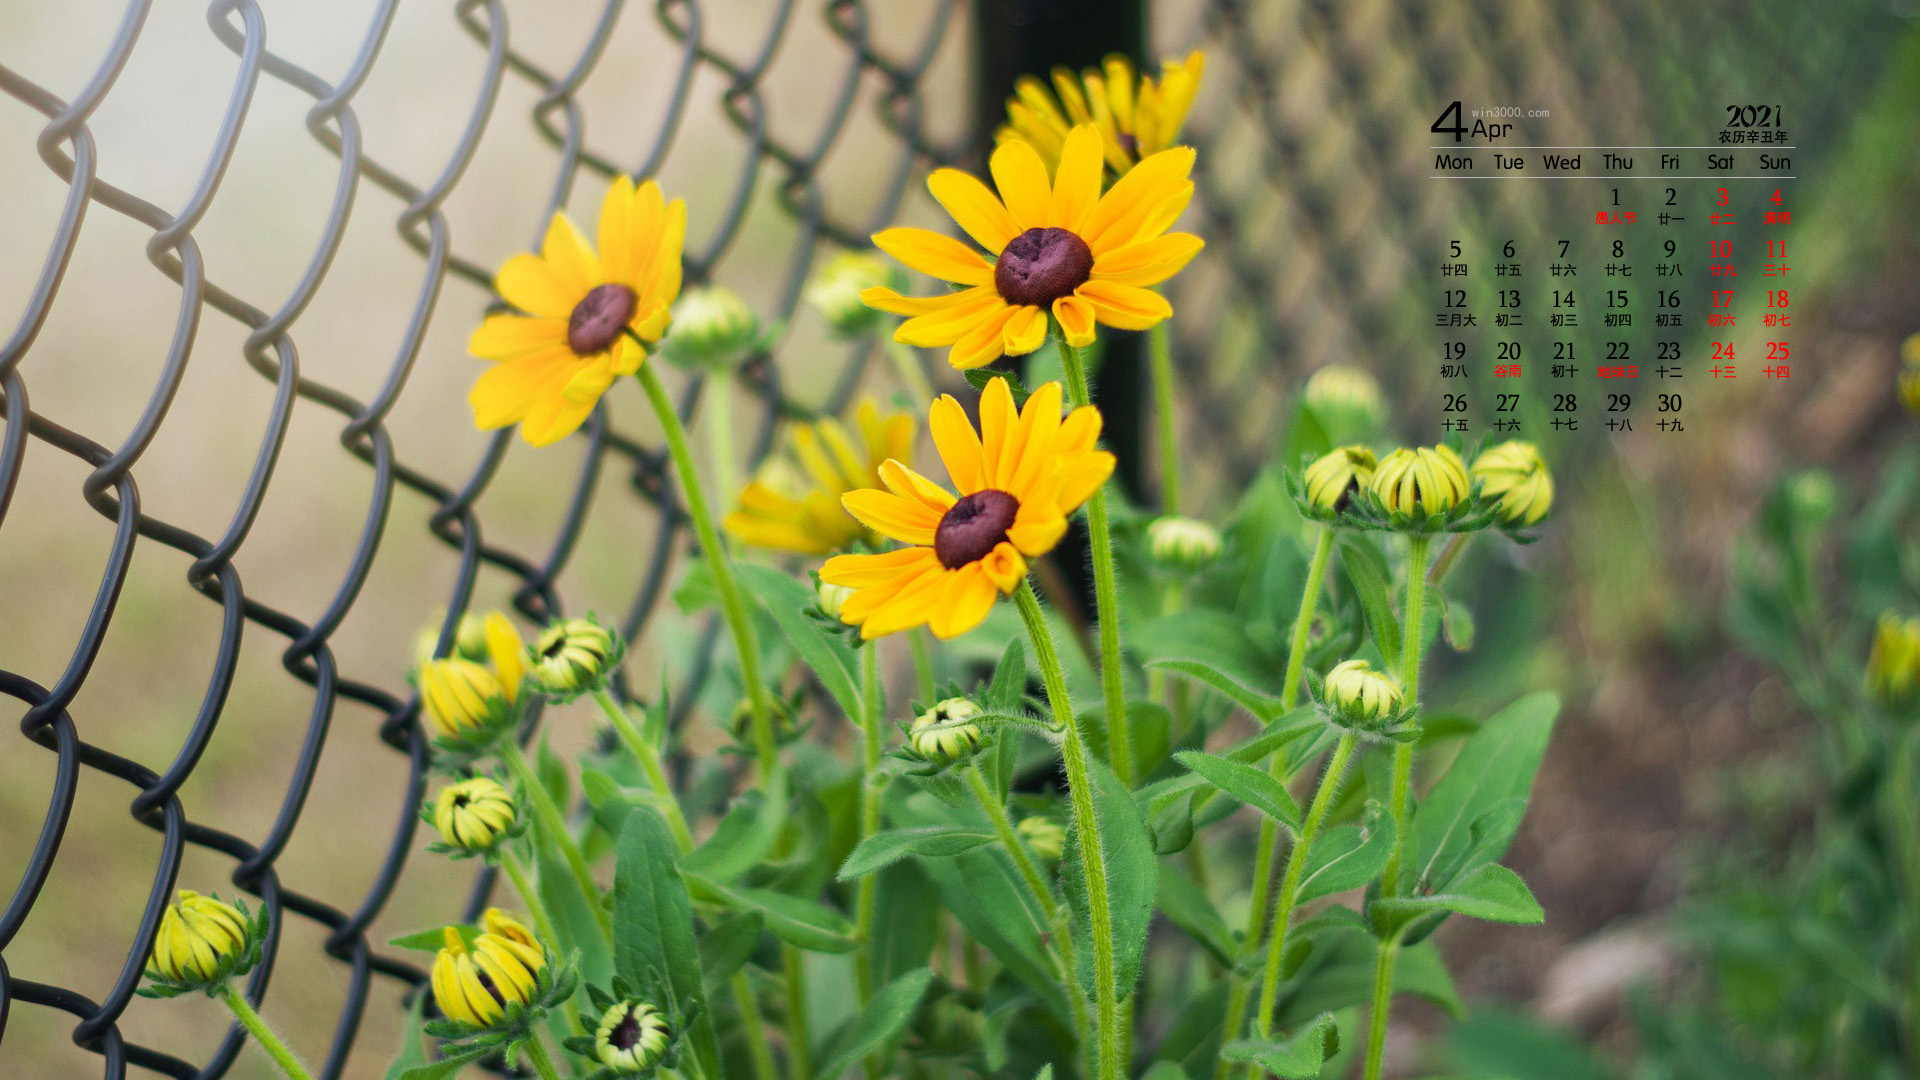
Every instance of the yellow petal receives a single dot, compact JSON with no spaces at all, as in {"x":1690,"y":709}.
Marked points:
{"x":1025,"y":331}
{"x":964,"y":602}
{"x":554,"y":416}
{"x":1004,"y":567}
{"x":1080,"y":479}
{"x":957,"y":442}
{"x":865,"y":571}
{"x":1076,"y":187}
{"x":1079,"y":432}
{"x":1148,"y":262}
{"x":505,"y":649}
{"x":982,"y":344}
{"x":997,"y":420}
{"x":950,"y":324}
{"x":974,"y":208}
{"x":931,"y":253}
{"x":1165,"y":212}
{"x":504,"y":392}
{"x":502,"y":337}
{"x":570,"y":256}
{"x":871,"y":598}
{"x":1120,"y":81}
{"x":1037,"y":537}
{"x":1039,"y":424}
{"x":1117,"y":218}
{"x":906,"y":520}
{"x":891,"y":302}
{"x":1126,"y":307}
{"x":616,"y":228}
{"x":1076,"y":320}
{"x":908,"y":484}
{"x":1022,"y":179}
{"x":529,"y":283}
{"x":911,"y":607}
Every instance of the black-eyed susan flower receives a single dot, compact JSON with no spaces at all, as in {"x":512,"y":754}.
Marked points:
{"x":835,"y":291}
{"x":793,"y":503}
{"x":1419,"y":482}
{"x":1515,"y":476}
{"x":474,"y":815}
{"x":1182,"y":543}
{"x":1058,"y":247}
{"x":1360,"y":696}
{"x":1043,"y":836}
{"x":946,"y":732}
{"x":1137,"y":115}
{"x":468,"y":704}
{"x":631,"y":1038}
{"x":1334,"y":478}
{"x":1893,"y":666}
{"x":574,"y":657}
{"x":201,"y":943}
{"x":586,"y":316}
{"x":493,"y":981}
{"x":1018,"y":478}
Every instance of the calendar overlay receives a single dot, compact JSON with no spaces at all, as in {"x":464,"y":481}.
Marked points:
{"x":1654,"y":271}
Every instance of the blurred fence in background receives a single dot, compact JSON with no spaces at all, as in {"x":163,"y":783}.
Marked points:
{"x":169,"y":424}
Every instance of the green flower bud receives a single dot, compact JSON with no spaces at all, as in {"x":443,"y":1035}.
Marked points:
{"x":1421,"y":482}
{"x":469,"y":640}
{"x":830,"y":597}
{"x":574,"y":657}
{"x":1893,"y":667}
{"x":945,"y":733}
{"x":1044,"y":836}
{"x":1515,"y":475}
{"x":201,"y":943}
{"x":1182,"y":543}
{"x":632,"y":1038}
{"x":1362,"y":696}
{"x":712,"y":328}
{"x":474,"y":814}
{"x":835,"y":291}
{"x":1345,"y":399}
{"x":1333,"y":479}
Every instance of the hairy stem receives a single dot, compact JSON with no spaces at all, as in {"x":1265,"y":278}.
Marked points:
{"x":913,"y":377}
{"x":262,"y":1034}
{"x":537,"y":1056}
{"x":720,"y":435}
{"x":922,"y":664}
{"x":1106,"y":593}
{"x":1086,"y":823}
{"x":649,"y":759}
{"x":997,"y":813}
{"x":1402,"y":793}
{"x":1382,"y":999}
{"x":553,"y":825}
{"x":1290,"y":879}
{"x":799,"y":1045}
{"x":1160,"y":358}
{"x":732,"y":605}
{"x":869,"y":810}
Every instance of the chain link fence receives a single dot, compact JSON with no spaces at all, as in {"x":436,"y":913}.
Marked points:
{"x":288,"y":438}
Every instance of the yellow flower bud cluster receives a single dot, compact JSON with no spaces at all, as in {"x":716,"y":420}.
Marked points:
{"x":481,"y":985}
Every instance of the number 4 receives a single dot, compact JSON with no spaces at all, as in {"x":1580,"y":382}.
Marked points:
{"x":1457,"y":130}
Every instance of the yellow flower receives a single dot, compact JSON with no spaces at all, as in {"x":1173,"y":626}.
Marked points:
{"x":1893,"y":667}
{"x":632,"y":1037}
{"x":582,"y":313}
{"x":945,"y":733}
{"x":463,"y":699}
{"x":1362,"y":695}
{"x":475,"y":987}
{"x":575,"y":656}
{"x":796,"y":507}
{"x":1044,"y":836}
{"x":1422,"y":481}
{"x":200,"y":940}
{"x":1515,"y":475}
{"x":473,"y":814}
{"x":1018,"y":479}
{"x":1137,"y":115}
{"x":1059,"y":247}
{"x":1333,"y":478}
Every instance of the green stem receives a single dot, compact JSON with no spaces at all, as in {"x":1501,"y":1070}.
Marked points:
{"x":1086,"y":823}
{"x":262,"y":1034}
{"x":1443,"y":563}
{"x":1290,"y":879}
{"x":758,"y":1048}
{"x":1160,"y":358}
{"x":869,"y":810}
{"x":1010,"y":838}
{"x":1382,"y":1000}
{"x":731,"y":604}
{"x":1106,"y":593}
{"x":1402,"y":793}
{"x":720,"y":434}
{"x":922,"y":664}
{"x":537,"y":1054}
{"x":799,"y":1053}
{"x":542,"y":922}
{"x":549,"y":820}
{"x":1258,"y":914}
{"x":649,"y":758}
{"x":913,"y":377}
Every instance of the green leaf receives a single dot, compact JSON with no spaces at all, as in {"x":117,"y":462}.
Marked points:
{"x":573,"y":920}
{"x":1131,"y":865}
{"x":745,"y":836}
{"x":884,"y":1016}
{"x":431,"y":940}
{"x":610,"y":801}
{"x":1347,"y":857}
{"x":1366,"y":569}
{"x":1297,"y":1057}
{"x":413,"y":1053}
{"x":1457,"y":624}
{"x":926,"y":841}
{"x":1247,"y":784}
{"x":1264,"y":707}
{"x":802,"y":923}
{"x":828,"y":654}
{"x":1495,"y":764}
{"x":1216,"y":638}
{"x":1287,"y":730}
{"x":653,"y":943}
{"x":553,"y":774}
{"x":726,"y":948}
{"x":1338,"y":970}
{"x":906,"y":922}
{"x":1491,"y":892}
{"x":445,"y":1067}
{"x":1007,"y":691}
{"x":1186,"y":905}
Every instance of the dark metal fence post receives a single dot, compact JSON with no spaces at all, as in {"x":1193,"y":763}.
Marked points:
{"x":1031,"y":37}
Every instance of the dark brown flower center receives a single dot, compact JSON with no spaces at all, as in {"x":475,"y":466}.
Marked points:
{"x":1040,"y":266}
{"x":486,"y":981}
{"x":599,"y":319}
{"x":625,"y":1033}
{"x":973,"y":526}
{"x":460,"y":801}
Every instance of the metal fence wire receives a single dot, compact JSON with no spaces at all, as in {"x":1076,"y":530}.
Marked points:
{"x":1317,"y":224}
